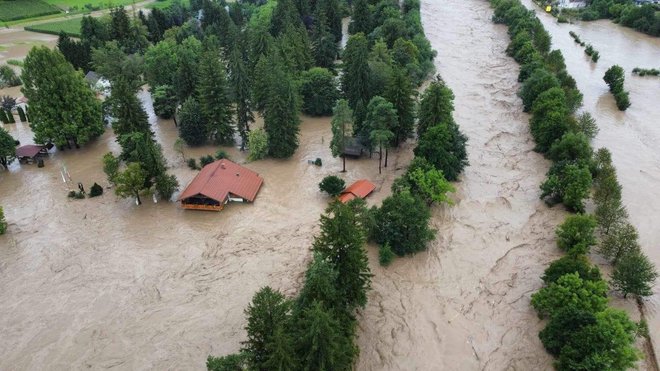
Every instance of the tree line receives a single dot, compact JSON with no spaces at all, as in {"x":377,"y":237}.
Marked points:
{"x":644,"y":18}
{"x":582,"y":331}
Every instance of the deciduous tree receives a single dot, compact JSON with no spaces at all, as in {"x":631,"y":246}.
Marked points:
{"x":63,"y":108}
{"x":634,"y":274}
{"x":7,"y":148}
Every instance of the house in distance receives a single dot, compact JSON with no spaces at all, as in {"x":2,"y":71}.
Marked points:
{"x":218,"y":183}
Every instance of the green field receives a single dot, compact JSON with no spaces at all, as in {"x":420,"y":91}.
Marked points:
{"x":89,"y":4}
{"x":70,"y":26}
{"x":162,"y":4}
{"x":11,"y":10}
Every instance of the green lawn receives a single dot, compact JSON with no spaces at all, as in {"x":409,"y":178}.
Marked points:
{"x":70,"y":26}
{"x":20,"y":9}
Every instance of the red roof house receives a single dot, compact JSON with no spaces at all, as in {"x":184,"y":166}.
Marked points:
{"x":218,"y":183}
{"x":360,"y":189}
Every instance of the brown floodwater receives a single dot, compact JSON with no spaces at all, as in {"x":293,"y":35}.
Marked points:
{"x":102,"y":283}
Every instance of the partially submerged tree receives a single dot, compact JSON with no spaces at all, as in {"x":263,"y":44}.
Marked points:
{"x":63,"y":109}
{"x":332,"y":185}
{"x":342,"y":129}
{"x":130,"y":182}
{"x":634,"y":274}
{"x":7,"y":148}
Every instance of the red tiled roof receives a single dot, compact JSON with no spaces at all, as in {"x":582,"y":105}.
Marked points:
{"x":29,"y":150}
{"x":362,"y":188}
{"x":220,"y":178}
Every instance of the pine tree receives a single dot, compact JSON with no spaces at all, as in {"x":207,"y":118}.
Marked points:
{"x":240,"y":81}
{"x":321,"y":344}
{"x":186,"y":78}
{"x":281,"y":120}
{"x":295,"y":50}
{"x":7,"y":148}
{"x":342,"y":129}
{"x":285,"y":15}
{"x":341,"y":241}
{"x":268,"y":311}
{"x":281,"y":351}
{"x":213,"y":95}
{"x":436,"y":106}
{"x":324,"y":47}
{"x":361,"y":18}
{"x":127,"y":111}
{"x":192,"y":127}
{"x":355,"y":80}
{"x":400,"y":93}
{"x":444,"y":146}
{"x":333,"y":16}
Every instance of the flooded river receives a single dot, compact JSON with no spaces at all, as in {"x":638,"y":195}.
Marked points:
{"x":101,"y":283}
{"x":465,"y":303}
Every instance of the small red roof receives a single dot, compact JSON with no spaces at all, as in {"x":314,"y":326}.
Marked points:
{"x":29,"y":150}
{"x":362,"y":188}
{"x":220,"y":178}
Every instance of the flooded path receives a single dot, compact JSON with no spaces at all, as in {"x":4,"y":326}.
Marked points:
{"x":633,"y":135}
{"x":464,"y":304}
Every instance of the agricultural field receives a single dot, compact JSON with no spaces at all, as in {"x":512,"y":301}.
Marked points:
{"x":71,"y":26}
{"x":21,"y":9}
{"x":83,"y":5}
{"x":161,"y":4}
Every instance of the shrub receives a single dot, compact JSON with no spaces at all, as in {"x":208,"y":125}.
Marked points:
{"x":622,"y":100}
{"x":76,"y":195}
{"x":385,"y":255}
{"x":95,"y":190}
{"x":205,"y":160}
{"x":8,"y":77}
{"x":258,"y":144}
{"x":220,"y":154}
{"x":318,"y":162}
{"x":3,"y":222}
{"x":166,"y":185}
{"x":192,"y":163}
{"x":332,"y":185}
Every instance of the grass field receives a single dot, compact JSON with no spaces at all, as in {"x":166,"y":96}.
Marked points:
{"x":162,"y":4}
{"x":70,"y":26}
{"x":89,"y":4}
{"x":20,"y":9}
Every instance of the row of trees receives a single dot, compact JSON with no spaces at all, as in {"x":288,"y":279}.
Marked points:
{"x":582,"y":332}
{"x":316,"y":329}
{"x":401,"y":224}
{"x":614,"y":77}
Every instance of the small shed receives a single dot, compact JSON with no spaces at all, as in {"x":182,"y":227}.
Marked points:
{"x":29,"y":153}
{"x":360,"y":189}
{"x":218,"y":183}
{"x":353,"y":148}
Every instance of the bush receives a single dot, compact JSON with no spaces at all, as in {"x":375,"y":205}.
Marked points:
{"x":576,"y":234}
{"x":3,"y":222}
{"x":95,"y":190}
{"x":192,"y":163}
{"x":166,"y":185}
{"x":8,"y":77}
{"x":205,"y":160}
{"x":76,"y":195}
{"x":571,"y":264}
{"x":573,"y":147}
{"x":258,"y":144}
{"x":385,"y":255}
{"x":540,"y":81}
{"x":569,"y":184}
{"x":622,"y":100}
{"x":220,"y":154}
{"x":332,"y":185}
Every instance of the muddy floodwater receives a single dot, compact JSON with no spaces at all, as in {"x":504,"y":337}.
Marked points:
{"x":464,"y":304}
{"x":101,"y":283}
